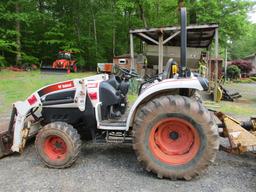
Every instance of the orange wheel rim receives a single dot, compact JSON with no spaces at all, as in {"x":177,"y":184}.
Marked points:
{"x":174,"y":141}
{"x":55,"y":148}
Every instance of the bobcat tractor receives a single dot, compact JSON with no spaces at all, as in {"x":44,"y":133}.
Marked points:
{"x":172,"y":134}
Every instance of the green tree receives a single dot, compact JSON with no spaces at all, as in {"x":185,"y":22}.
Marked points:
{"x":244,"y":45}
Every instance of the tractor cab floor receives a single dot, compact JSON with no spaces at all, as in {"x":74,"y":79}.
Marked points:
{"x":116,"y":122}
{"x":123,"y":117}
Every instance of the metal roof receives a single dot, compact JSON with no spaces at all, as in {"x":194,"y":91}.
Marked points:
{"x":198,"y":36}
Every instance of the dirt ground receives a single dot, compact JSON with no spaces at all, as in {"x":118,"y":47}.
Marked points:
{"x":115,"y":168}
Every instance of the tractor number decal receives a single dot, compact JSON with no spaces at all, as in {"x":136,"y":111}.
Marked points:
{"x":56,"y":87}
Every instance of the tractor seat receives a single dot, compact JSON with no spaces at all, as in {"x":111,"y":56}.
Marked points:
{"x":113,"y":81}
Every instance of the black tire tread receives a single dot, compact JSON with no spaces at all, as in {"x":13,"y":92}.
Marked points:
{"x":71,"y":133}
{"x":181,"y":104}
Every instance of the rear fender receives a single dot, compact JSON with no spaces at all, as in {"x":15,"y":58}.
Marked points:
{"x":169,"y":86}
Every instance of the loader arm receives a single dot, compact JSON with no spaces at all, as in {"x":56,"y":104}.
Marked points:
{"x":22,"y":109}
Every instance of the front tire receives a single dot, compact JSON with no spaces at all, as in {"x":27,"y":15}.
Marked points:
{"x":175,"y":137}
{"x":58,"y":145}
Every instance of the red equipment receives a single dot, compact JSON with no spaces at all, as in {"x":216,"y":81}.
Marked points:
{"x":65,"y":63}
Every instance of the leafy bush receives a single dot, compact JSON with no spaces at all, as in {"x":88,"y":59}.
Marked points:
{"x":28,"y":59}
{"x":253,"y":78}
{"x":244,"y":65}
{"x":80,"y":61}
{"x":233,"y":72}
{"x":2,"y":61}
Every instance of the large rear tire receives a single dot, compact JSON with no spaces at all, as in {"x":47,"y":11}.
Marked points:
{"x":58,"y":145}
{"x":175,"y":137}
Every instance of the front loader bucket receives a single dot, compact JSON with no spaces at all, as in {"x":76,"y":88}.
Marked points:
{"x":6,"y":135}
{"x":54,"y":70}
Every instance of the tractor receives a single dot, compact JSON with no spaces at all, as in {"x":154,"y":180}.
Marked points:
{"x":173,"y":135}
{"x":65,"y":63}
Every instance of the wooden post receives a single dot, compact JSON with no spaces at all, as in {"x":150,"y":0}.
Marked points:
{"x":132,"y":52}
{"x":208,"y":63}
{"x":216,"y":68}
{"x":160,"y":54}
{"x":226,"y":63}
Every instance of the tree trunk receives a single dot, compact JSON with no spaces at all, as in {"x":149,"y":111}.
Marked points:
{"x":95,"y":32}
{"x":181,"y":3}
{"x":157,"y":9}
{"x":192,"y":14}
{"x":18,"y":36}
{"x":113,"y":30}
{"x":114,"y":41}
{"x":142,"y":14}
{"x":93,"y":14}
{"x":40,"y":6}
{"x":77,"y":22}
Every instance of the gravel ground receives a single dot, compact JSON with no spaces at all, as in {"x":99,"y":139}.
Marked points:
{"x":115,"y":168}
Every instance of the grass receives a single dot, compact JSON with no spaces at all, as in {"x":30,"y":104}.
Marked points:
{"x":246,"y":80}
{"x":132,"y":98}
{"x":238,"y":109}
{"x":17,"y":86}
{"x":244,"y":106}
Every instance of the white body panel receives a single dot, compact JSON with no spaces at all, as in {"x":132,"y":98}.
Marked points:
{"x":35,"y":100}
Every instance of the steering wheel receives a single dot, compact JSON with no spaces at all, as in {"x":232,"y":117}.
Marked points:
{"x":128,"y":72}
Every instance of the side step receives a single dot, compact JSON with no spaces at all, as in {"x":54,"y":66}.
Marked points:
{"x":118,"y":137}
{"x":112,"y":125}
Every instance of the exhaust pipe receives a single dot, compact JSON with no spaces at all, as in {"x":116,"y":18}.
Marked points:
{"x":183,"y":43}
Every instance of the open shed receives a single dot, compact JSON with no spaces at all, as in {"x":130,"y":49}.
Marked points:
{"x":199,"y":37}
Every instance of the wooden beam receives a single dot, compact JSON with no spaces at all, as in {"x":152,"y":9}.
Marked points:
{"x":160,"y":53}
{"x":216,"y":68}
{"x":171,"y":37}
{"x":148,"y":38}
{"x":213,"y":26}
{"x":132,"y":52}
